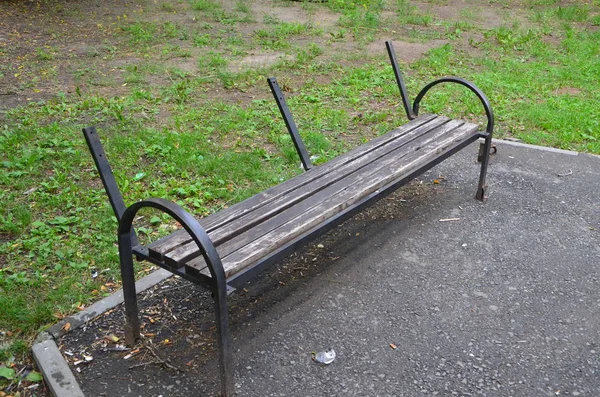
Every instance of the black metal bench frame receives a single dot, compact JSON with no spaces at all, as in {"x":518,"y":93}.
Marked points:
{"x":217,"y":281}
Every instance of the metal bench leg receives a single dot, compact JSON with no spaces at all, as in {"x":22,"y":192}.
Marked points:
{"x":484,"y":157}
{"x":224,"y":341}
{"x":132,"y":320}
{"x":219,"y":283}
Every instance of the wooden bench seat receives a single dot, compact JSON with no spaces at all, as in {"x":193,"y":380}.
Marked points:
{"x":228,"y":248}
{"x":251,"y":229}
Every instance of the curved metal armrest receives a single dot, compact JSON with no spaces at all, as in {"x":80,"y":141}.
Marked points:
{"x":189,"y":223}
{"x":484,"y":100}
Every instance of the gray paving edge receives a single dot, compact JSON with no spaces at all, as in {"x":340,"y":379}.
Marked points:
{"x":49,"y":359}
{"x":536,"y":147}
{"x":542,"y":148}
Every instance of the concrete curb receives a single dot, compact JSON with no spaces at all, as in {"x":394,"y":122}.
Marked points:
{"x":535,"y":147}
{"x":52,"y":365}
{"x":54,"y":368}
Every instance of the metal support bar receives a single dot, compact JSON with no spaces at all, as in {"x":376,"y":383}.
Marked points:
{"x":484,"y":153}
{"x":290,"y":124}
{"x":487,"y":145}
{"x":400,"y":81}
{"x":106,"y":175}
{"x":476,"y":90}
{"x":218,"y":282}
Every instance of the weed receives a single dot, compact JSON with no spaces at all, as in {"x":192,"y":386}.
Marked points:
{"x":243,"y":7}
{"x":170,"y":30}
{"x":410,"y":14}
{"x":167,"y":7}
{"x":204,"y":5}
{"x":142,"y":32}
{"x":203,"y":40}
{"x":574,"y":13}
{"x":513,"y":38}
{"x":44,"y":55}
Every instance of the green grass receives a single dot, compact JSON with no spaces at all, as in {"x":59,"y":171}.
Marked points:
{"x":362,"y":18}
{"x":410,"y":14}
{"x":178,"y":122}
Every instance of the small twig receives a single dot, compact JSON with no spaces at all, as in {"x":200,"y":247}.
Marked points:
{"x":145,"y":364}
{"x":570,"y":172}
{"x":189,"y":296}
{"x":163,"y":362}
{"x":449,"y":219}
{"x":186,"y":285}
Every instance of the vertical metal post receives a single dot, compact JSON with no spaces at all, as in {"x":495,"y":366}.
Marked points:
{"x":403,"y":92}
{"x":132,"y":321}
{"x":485,"y":157}
{"x":289,"y":122}
{"x":223,"y":340}
{"x":218,"y":285}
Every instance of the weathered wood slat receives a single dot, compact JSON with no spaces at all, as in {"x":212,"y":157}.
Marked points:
{"x":164,"y":245}
{"x":270,"y":235}
{"x":382,"y":176}
{"x":354,"y":163}
{"x":167,"y":244}
{"x":189,"y":251}
{"x":299,"y":181}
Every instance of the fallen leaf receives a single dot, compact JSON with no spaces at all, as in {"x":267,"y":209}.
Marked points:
{"x":393,"y":346}
{"x":7,"y":373}
{"x":112,"y":338}
{"x":66,"y":327}
{"x":34,"y":376}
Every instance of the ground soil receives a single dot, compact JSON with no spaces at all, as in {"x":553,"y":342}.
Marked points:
{"x":45,"y":47}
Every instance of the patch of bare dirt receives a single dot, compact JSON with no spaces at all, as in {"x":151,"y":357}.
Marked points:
{"x":292,"y":13}
{"x":572,"y":91}
{"x":40,"y":43}
{"x":258,"y":60}
{"x":480,"y":14}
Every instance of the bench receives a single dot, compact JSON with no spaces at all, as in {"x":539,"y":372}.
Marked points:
{"x":226,"y":249}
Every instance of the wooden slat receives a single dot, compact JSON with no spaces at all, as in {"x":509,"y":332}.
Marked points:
{"x":370,"y":182}
{"x":164,"y":245}
{"x":189,"y":251}
{"x":353,"y":163}
{"x":299,"y":181}
{"x":298,"y":214}
{"x":159,"y":248}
